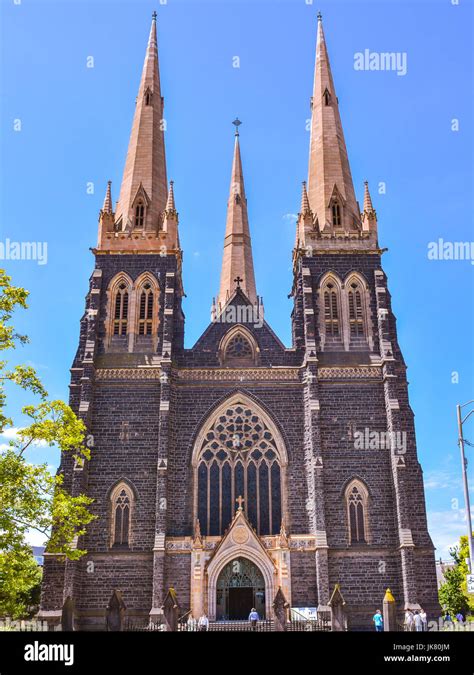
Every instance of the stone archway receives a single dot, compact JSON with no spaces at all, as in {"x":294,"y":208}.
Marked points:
{"x":240,"y":587}
{"x":241,"y":542}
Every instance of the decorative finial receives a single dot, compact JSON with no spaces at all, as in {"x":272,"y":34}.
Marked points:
{"x":238,"y":281}
{"x":240,"y":500}
{"x":237,"y":124}
{"x":320,"y":16}
{"x":154,"y":15}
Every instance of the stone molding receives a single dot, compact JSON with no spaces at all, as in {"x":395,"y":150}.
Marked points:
{"x":230,"y":375}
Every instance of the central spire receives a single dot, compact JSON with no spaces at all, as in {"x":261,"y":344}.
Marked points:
{"x":329,"y":175}
{"x":144,"y":184}
{"x":237,"y":261}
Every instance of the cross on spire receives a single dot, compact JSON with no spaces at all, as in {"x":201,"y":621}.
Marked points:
{"x":238,"y":281}
{"x":237,"y":124}
{"x":240,"y":500}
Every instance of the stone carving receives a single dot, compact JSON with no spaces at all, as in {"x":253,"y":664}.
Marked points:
{"x":302,"y":544}
{"x":115,"y":612}
{"x":240,"y":535}
{"x":171,"y":610}
{"x":338,"y":610}
{"x":226,"y":374}
{"x":280,"y":609}
{"x":349,"y":373}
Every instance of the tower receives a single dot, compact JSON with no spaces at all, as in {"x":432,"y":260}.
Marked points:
{"x":359,"y":432}
{"x":132,"y":321}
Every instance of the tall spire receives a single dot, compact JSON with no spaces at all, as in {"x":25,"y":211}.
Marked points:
{"x":304,"y":222}
{"x":367,"y":198}
{"x":144,"y":177}
{"x":237,"y":261}
{"x":170,"y":222}
{"x":305,"y":208}
{"x":329,"y":175}
{"x":170,"y":205}
{"x":107,"y":207}
{"x":369,"y":216}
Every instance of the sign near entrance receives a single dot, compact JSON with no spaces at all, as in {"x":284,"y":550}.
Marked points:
{"x":470,"y":583}
{"x":304,"y":613}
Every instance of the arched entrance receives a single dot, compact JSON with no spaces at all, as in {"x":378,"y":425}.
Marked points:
{"x":240,"y":586}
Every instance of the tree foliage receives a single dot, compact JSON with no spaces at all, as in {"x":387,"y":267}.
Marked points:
{"x":31,"y":497}
{"x":453,"y":594}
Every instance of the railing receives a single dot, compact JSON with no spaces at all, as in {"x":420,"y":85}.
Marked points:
{"x":263,"y":626}
{"x":241,"y":626}
{"x":311,"y":625}
{"x":142,"y":626}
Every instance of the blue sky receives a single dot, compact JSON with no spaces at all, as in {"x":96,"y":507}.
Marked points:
{"x":75,"y":123}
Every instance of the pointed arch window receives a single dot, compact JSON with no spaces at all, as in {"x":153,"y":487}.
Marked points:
{"x":121,"y":503}
{"x":139,"y":214}
{"x":238,"y":348}
{"x":331,"y":310}
{"x":336,"y":214}
{"x":148,"y":97}
{"x":121,"y":302}
{"x":356,"y":313}
{"x":327,"y":97}
{"x":357,"y":505}
{"x":239,"y":456}
{"x":145,"y":320}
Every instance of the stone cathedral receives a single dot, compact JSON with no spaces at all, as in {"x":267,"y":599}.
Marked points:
{"x":234,"y":468}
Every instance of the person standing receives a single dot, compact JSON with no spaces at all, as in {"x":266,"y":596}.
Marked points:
{"x":417,"y":621}
{"x":460,"y":617}
{"x":253,"y":618}
{"x":378,"y":621}
{"x":203,"y":623}
{"x":424,"y":620}
{"x":409,"y":620}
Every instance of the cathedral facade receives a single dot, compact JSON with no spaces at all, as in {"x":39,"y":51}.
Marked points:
{"x":240,"y":466}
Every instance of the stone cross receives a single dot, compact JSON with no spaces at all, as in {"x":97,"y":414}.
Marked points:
{"x":238,"y":281}
{"x":240,"y":500}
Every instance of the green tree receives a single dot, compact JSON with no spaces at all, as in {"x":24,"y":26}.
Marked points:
{"x":30,"y":497}
{"x":453,"y":594}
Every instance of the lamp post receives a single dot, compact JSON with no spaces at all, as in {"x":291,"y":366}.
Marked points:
{"x":461,"y":422}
